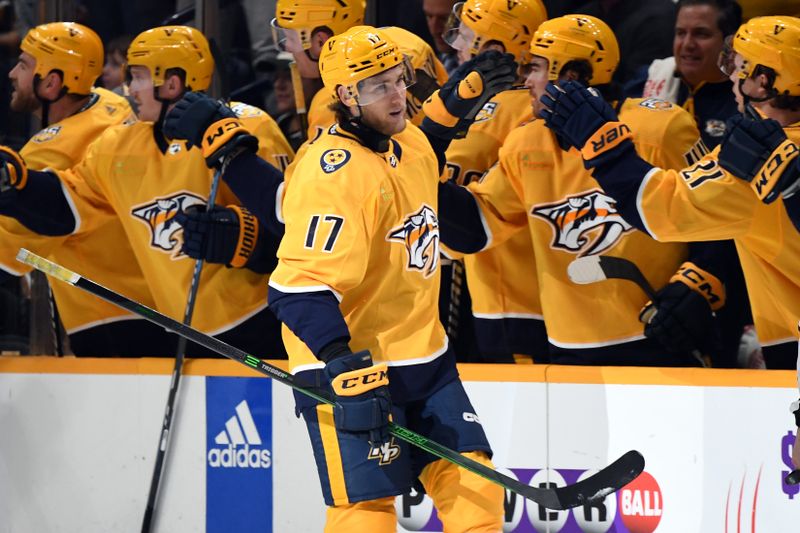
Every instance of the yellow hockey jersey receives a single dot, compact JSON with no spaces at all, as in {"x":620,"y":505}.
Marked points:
{"x":497,"y":284}
{"x":364,"y":226}
{"x":705,"y":202}
{"x":60,"y":146}
{"x":125,"y":177}
{"x":538,"y":186}
{"x":320,"y":116}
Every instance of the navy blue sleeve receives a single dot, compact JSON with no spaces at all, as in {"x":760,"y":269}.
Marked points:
{"x":314,"y":317}
{"x":264,"y":259}
{"x":41,"y":206}
{"x":634,"y":87}
{"x":255,"y":182}
{"x":621,"y":178}
{"x":439,"y":146}
{"x":460,"y":225}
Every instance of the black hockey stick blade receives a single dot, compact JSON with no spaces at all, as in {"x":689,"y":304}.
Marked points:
{"x":793,"y":478}
{"x":595,"y":488}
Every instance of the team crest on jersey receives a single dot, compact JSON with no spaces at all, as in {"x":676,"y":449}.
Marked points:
{"x":159,"y":215}
{"x":47,"y":134}
{"x":420,"y":233}
{"x":385,"y":453}
{"x":486,"y":112}
{"x":174,"y":148}
{"x":333,"y":160}
{"x":656,"y":103}
{"x":586,"y":224}
{"x":715,"y":127}
{"x":246,"y":111}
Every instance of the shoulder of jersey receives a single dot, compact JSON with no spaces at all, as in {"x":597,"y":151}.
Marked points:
{"x":653,"y":117}
{"x":243,"y":110}
{"x":533,"y":133}
{"x":514,"y":101}
{"x":330,"y":152}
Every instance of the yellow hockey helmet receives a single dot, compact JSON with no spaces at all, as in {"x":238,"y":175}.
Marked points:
{"x":510,"y":22}
{"x":304,"y":16}
{"x":357,"y":54}
{"x":422,"y":58}
{"x":71,"y":48}
{"x":577,"y":37}
{"x":167,"y":47}
{"x":772,"y":42}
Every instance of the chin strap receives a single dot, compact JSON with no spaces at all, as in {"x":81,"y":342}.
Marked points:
{"x":369,"y":137}
{"x":37,"y":80}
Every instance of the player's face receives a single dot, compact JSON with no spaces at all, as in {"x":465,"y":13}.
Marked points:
{"x":22,"y":98}
{"x":436,"y":15}
{"x":749,"y":86}
{"x":113,"y":72}
{"x":141,"y":89}
{"x":386,"y":93}
{"x":697,"y":44}
{"x":536,"y":82}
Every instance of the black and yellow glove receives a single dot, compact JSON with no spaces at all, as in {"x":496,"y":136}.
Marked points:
{"x":759,"y":152}
{"x":682,"y":316}
{"x":210,"y":124}
{"x":13,"y":172}
{"x":226,"y":235}
{"x":450,"y":111}
{"x":361,"y":388}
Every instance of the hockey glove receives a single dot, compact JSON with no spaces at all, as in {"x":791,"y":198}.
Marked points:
{"x":226,"y":235}
{"x":210,"y":124}
{"x":450,"y":111}
{"x":361,"y":389}
{"x":758,"y":152}
{"x":13,"y":172}
{"x":580,"y":117}
{"x":681,"y":319}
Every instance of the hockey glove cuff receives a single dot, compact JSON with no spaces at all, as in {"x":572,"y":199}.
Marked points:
{"x":248,"y":236}
{"x":363,"y":404}
{"x":758,"y":152}
{"x":703,"y":283}
{"x":224,"y":138}
{"x":13,"y":172}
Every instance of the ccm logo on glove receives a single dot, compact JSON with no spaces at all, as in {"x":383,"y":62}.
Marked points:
{"x":774,"y":168}
{"x":359,"y":381}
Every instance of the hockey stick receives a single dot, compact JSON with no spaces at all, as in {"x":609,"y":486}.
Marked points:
{"x":594,"y":488}
{"x":169,"y":409}
{"x":594,"y":268}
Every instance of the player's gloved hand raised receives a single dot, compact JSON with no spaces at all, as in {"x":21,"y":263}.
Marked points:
{"x":582,"y":118}
{"x":682,"y":317}
{"x":758,"y":152}
{"x":13,"y":172}
{"x":210,"y":124}
{"x":361,"y":388}
{"x":450,"y":111}
{"x":226,"y":235}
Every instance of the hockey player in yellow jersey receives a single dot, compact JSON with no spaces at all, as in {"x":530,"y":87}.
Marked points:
{"x":358,"y":272}
{"x":134,"y":174}
{"x":57,"y":67}
{"x":707,"y":200}
{"x":302,"y":27}
{"x":505,"y":307}
{"x":538,"y":188}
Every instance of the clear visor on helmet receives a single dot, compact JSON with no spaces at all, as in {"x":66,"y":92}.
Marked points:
{"x":457,"y":34}
{"x":389,"y":82}
{"x":730,"y":61}
{"x":285,"y":39}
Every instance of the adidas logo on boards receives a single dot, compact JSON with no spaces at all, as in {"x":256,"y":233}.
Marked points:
{"x":239,"y":443}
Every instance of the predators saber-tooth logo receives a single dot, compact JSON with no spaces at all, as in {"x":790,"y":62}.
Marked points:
{"x":420,"y":233}
{"x":385,"y":453}
{"x":159,"y":215}
{"x":587,"y":223}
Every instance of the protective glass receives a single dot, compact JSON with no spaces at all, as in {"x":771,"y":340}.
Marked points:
{"x":285,"y":39}
{"x":730,"y":61}
{"x":457,"y":34}
{"x":395,"y":80}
